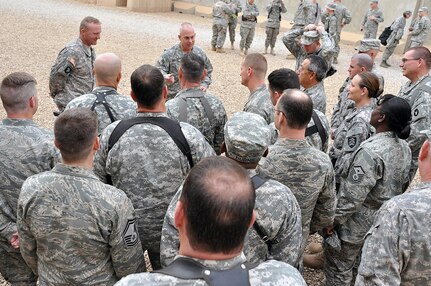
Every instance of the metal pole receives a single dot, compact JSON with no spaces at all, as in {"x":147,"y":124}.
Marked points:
{"x":419,"y":3}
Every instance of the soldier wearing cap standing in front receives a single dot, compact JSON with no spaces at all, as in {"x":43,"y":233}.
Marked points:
{"x":371,"y":47}
{"x":419,"y":28}
{"x":330,"y":22}
{"x":372,"y":18}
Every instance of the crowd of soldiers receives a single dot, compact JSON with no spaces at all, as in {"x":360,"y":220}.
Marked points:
{"x":212,"y":200}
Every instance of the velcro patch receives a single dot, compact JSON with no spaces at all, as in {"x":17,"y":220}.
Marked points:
{"x":68,"y":70}
{"x":130,"y":233}
{"x":357,"y":174}
{"x":351,"y":142}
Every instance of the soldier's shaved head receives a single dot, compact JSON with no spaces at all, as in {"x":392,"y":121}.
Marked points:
{"x":297,"y":107}
{"x":364,"y":60}
{"x":107,"y":67}
{"x":258,"y":63}
{"x":16,"y":90}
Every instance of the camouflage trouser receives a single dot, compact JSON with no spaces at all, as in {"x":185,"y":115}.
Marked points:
{"x":389,"y":50}
{"x":14,"y":269}
{"x":232,"y":27}
{"x":337,"y":44}
{"x":219,"y":35}
{"x":339,"y":264}
{"x":247,"y":35}
{"x":370,"y":33}
{"x":271,"y":36}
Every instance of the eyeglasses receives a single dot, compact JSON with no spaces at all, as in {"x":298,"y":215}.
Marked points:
{"x":279,"y":111}
{"x":404,"y":60}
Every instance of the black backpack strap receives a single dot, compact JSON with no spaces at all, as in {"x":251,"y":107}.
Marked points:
{"x":183,"y":108}
{"x":318,"y":127}
{"x":172,"y":127}
{"x":258,"y":181}
{"x":101,"y":99}
{"x":187,"y":268}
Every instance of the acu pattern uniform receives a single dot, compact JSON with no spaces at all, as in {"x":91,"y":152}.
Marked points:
{"x":397,"y":33}
{"x":272,"y":28}
{"x":221,"y":14}
{"x":68,"y":81}
{"x":233,"y":19}
{"x":420,"y":31}
{"x":371,"y":26}
{"x":170,"y":62}
{"x":259,"y":102}
{"x":248,"y":25}
{"x":149,"y":167}
{"x":343,"y":107}
{"x":317,"y":95}
{"x":197,"y":115}
{"x":76,"y":230}
{"x":121,"y":107}
{"x":25,"y":150}
{"x":371,"y":179}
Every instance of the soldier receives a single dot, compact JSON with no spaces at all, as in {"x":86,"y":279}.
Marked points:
{"x":314,"y":41}
{"x":397,"y":247}
{"x":305,"y":14}
{"x":233,"y":21}
{"x":278,"y":213}
{"x":272,"y":28}
{"x":305,"y":170}
{"x":372,"y":18}
{"x":248,"y":25}
{"x":253,"y":72}
{"x":358,"y":63}
{"x":330,"y":23}
{"x":108,"y":104}
{"x":221,"y":13}
{"x":371,"y":179}
{"x":169,"y":61}
{"x":311,"y":74}
{"x":150,"y":159}
{"x":73,"y":228}
{"x":344,"y":17}
{"x":72,"y":73}
{"x":415,"y":66}
{"x":25,"y":149}
{"x":213,"y":214}
{"x":317,"y":132}
{"x":419,"y":28}
{"x":356,"y":126}
{"x":202,"y":110}
{"x":397,"y":28}
{"x":371,"y":47}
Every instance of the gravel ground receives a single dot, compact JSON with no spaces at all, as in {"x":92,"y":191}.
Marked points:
{"x":34,"y":31}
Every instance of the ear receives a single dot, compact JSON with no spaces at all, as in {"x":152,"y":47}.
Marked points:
{"x":96,"y":144}
{"x":32,"y":101}
{"x":423,"y":154}
{"x":119,"y":76}
{"x":165,"y":92}
{"x":253,"y":219}
{"x":277,"y":96}
{"x":382,"y":118}
{"x":56,"y":144}
{"x":180,"y":73}
{"x":250,"y":71}
{"x":179,"y":37}
{"x":133,"y":96}
{"x":204,"y":74}
{"x":179,"y":215}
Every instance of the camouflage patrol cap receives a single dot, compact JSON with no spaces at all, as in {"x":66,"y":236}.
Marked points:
{"x":331,"y":6}
{"x":423,"y":9}
{"x":374,"y":1}
{"x":246,"y":136}
{"x":368,"y":44}
{"x":309,"y":37}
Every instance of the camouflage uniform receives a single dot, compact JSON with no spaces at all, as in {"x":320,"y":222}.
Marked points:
{"x":309,"y":174}
{"x":233,"y":19}
{"x":343,"y":17}
{"x":122,"y":107}
{"x":331,"y":27}
{"x":197,"y":117}
{"x":221,"y":14}
{"x":76,"y":230}
{"x":317,"y":95}
{"x":371,"y":179}
{"x":326,"y":50}
{"x":25,"y":150}
{"x":418,"y":96}
{"x":420,"y":31}
{"x":259,"y":102}
{"x":68,"y":81}
{"x":269,"y":273}
{"x":397,"y":247}
{"x":148,"y":166}
{"x":375,"y":71}
{"x":272,"y":28}
{"x":170,"y":62}
{"x":247,"y":28}
{"x":397,"y":28}
{"x":344,"y":106}
{"x":371,"y":26}
{"x":354,"y":130}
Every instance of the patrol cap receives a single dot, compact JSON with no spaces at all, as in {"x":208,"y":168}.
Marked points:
{"x":331,"y":6}
{"x":423,"y":9}
{"x":374,"y":1}
{"x":246,"y":137}
{"x":368,"y":44}
{"x":309,"y":37}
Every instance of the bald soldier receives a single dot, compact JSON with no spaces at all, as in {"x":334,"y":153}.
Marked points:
{"x":108,"y":104}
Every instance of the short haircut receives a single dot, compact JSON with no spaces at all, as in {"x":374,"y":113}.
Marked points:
{"x":193,"y":67}
{"x":15,"y":91}
{"x":87,"y":20}
{"x":297,"y":107}
{"x":147,"y":84}
{"x":258,"y":63}
{"x":371,"y":82}
{"x":422,"y":53}
{"x":184,"y":25}
{"x":218,"y":199}
{"x":75,"y":130}
{"x":408,"y":12}
{"x":364,"y":61}
{"x":318,"y":66}
{"x":282,"y":79}
{"x":397,"y":113}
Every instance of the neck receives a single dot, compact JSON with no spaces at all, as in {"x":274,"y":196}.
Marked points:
{"x":364,"y":102}
{"x":158,"y":108}
{"x":418,"y":76}
{"x":308,"y":85}
{"x":382,"y":128}
{"x":187,"y":250}
{"x":20,"y":115}
{"x":86,"y":163}
{"x":187,"y":85}
{"x":106,"y":83}
{"x":255,"y":84}
{"x":293,"y":134}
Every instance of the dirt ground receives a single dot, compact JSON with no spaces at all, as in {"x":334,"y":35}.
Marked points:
{"x":33,"y":32}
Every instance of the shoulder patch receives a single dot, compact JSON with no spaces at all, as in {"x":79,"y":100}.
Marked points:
{"x":130,"y":233}
{"x":351,"y":141}
{"x":68,"y":70}
{"x":357,"y":173}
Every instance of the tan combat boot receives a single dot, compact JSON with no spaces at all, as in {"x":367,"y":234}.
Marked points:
{"x":213,"y":48}
{"x":314,"y":261}
{"x":220,"y":51}
{"x":245,"y":51}
{"x":266,"y":51}
{"x":314,"y":247}
{"x":272,"y":52}
{"x":231,"y":46}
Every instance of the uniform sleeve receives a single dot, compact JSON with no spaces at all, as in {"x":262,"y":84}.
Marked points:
{"x":219,"y":129}
{"x":289,"y":40}
{"x":364,"y":171}
{"x":333,"y":27}
{"x":379,"y":17}
{"x":347,"y":16}
{"x":421,"y":120}
{"x":386,"y":250}
{"x":208,"y":66}
{"x":100,"y":158}
{"x":61,"y":71}
{"x":323,"y":17}
{"x":7,"y":227}
{"x":170,"y":240}
{"x":163,"y":63}
{"x":126,"y":250}
{"x":283,"y":7}
{"x":365,"y":19}
{"x":327,"y":45}
{"x":199,"y":146}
